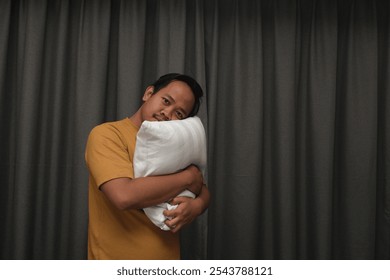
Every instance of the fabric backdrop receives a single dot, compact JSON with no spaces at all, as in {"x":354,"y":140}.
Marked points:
{"x":296,"y":110}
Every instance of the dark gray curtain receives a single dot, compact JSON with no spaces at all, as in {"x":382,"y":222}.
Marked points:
{"x":296,"y":111}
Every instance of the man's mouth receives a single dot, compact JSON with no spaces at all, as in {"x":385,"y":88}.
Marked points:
{"x":157,"y":117}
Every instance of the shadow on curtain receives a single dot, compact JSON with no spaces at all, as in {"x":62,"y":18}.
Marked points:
{"x":296,"y":111}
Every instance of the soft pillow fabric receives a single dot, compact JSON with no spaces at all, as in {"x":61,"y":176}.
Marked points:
{"x":167,"y":147}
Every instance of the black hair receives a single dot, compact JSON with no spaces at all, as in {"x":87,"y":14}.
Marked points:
{"x":196,"y":89}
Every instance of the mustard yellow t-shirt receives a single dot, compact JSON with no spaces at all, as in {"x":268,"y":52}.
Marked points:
{"x":114,"y":233}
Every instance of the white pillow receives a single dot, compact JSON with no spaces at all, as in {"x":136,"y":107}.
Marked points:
{"x":167,"y":147}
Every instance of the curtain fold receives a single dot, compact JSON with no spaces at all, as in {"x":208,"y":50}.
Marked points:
{"x":382,"y":218}
{"x":296,"y":111}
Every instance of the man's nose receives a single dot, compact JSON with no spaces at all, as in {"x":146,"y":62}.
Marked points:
{"x":166,"y":114}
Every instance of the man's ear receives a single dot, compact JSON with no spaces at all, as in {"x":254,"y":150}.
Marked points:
{"x":148,"y":93}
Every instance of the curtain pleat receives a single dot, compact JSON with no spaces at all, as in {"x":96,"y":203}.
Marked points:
{"x":296,"y":112}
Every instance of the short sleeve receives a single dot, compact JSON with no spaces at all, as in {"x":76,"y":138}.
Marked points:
{"x":107,"y":155}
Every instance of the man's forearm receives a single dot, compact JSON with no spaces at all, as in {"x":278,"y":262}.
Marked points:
{"x":126,"y":193}
{"x":150,"y":191}
{"x":203,"y":199}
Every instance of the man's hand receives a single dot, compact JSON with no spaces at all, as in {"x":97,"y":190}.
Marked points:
{"x":187,"y":210}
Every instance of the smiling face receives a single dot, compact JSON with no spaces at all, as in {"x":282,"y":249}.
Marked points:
{"x":173,"y":102}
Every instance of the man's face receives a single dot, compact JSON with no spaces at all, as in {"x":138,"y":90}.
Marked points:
{"x":173,"y":102}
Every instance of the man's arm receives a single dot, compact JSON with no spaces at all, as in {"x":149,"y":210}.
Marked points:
{"x":126,"y":193}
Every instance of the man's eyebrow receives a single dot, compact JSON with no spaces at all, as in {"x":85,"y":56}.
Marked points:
{"x":171,"y":98}
{"x":174,"y":101}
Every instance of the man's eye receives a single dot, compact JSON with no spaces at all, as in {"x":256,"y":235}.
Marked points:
{"x":165,"y":101}
{"x":179,"y":115}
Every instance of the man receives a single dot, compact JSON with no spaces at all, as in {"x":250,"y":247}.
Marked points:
{"x":118,"y":229}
